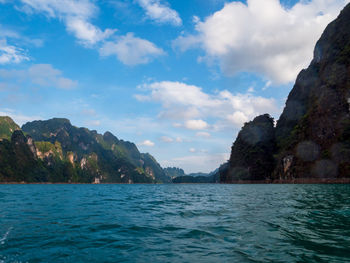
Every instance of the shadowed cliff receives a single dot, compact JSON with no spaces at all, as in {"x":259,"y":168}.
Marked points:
{"x":312,"y":136}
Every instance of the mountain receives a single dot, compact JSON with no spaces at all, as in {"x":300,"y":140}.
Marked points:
{"x":311,"y":141}
{"x":197,"y":178}
{"x":252,"y":152}
{"x":198,"y":174}
{"x":7,"y":127}
{"x":173,"y":172}
{"x":57,"y":151}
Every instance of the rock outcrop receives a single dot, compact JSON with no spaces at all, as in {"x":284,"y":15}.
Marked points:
{"x":312,"y":136}
{"x":313,"y":131}
{"x":252,"y":152}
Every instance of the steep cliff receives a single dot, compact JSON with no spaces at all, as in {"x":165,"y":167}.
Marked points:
{"x":312,"y":136}
{"x":313,"y":131}
{"x":252,"y":152}
{"x":18,"y":161}
{"x":56,"y":151}
{"x":102,"y":156}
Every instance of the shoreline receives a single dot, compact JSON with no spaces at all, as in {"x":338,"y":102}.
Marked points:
{"x":295,"y":181}
{"x":291,"y":181}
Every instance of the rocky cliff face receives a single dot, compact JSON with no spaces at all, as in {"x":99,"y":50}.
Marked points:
{"x":18,"y":160}
{"x":102,"y":156}
{"x":312,"y":135}
{"x":312,"y":132}
{"x":56,"y":151}
{"x":252,"y":153}
{"x":173,"y":172}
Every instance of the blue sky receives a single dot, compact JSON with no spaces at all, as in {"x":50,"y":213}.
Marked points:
{"x":178,"y":78}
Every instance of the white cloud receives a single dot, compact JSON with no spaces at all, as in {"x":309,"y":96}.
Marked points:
{"x":263,"y":37}
{"x":131,"y":50}
{"x":11,"y":54}
{"x":251,"y":90}
{"x":179,"y":139}
{"x":159,"y":12}
{"x":76,"y":15}
{"x":192,"y":150}
{"x":166,"y":139}
{"x":189,"y":106}
{"x":147,"y":143}
{"x":43,"y":75}
{"x":237,"y":118}
{"x":87,"y":33}
{"x":203,"y":134}
{"x":196,"y":124}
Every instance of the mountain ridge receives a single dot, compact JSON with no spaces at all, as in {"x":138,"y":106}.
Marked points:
{"x":66,"y":153}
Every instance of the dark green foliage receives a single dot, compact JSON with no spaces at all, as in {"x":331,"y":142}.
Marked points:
{"x":18,"y":163}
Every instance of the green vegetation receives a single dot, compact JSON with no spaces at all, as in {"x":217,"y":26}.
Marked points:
{"x":65,"y":153}
{"x":7,"y":127}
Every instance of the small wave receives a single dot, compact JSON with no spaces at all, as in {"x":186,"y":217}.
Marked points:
{"x":3,"y":239}
{"x":198,"y":234}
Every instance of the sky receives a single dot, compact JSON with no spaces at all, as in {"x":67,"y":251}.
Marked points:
{"x":177,"y":77}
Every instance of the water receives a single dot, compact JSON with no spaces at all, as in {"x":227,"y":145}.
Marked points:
{"x":175,"y":223}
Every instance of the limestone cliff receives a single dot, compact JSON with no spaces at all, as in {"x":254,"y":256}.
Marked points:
{"x":313,"y":131}
{"x":312,"y":136}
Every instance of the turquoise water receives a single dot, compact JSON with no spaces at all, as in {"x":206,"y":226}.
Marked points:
{"x":175,"y":223}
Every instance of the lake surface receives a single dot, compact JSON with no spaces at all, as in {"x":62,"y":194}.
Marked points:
{"x":175,"y":223}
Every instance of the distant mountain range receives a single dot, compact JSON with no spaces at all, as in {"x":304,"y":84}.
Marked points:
{"x":311,"y":141}
{"x":56,"y":151}
{"x":179,"y":176}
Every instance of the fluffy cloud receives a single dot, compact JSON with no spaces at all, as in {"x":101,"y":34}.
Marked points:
{"x":43,"y":75}
{"x":75,"y":14}
{"x":11,"y":54}
{"x":87,"y":33}
{"x":190,"y":105}
{"x":147,"y":143}
{"x":263,"y":37}
{"x":196,"y":124}
{"x":159,"y":12}
{"x":131,"y":50}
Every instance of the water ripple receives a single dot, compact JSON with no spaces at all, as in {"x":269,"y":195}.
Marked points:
{"x":175,"y":223}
